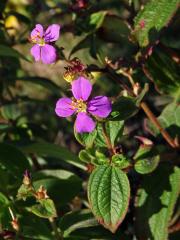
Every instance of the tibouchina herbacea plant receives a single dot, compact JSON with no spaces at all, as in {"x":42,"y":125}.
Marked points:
{"x":99,"y":106}
{"x":43,"y":40}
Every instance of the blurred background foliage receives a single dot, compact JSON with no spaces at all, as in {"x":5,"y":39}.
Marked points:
{"x":33,"y":138}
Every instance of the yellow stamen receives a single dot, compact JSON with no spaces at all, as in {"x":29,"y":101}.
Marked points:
{"x":37,"y":39}
{"x":79,"y":104}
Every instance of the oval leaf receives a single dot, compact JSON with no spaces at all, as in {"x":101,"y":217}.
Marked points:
{"x":109,"y":193}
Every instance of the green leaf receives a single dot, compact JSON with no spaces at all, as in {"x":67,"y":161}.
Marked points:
{"x":114,"y":130}
{"x":169,"y":119}
{"x":4,"y":212}
{"x":155,"y":202}
{"x":51,"y":150}
{"x":93,"y":157}
{"x":86,"y":139}
{"x":43,"y":82}
{"x":45,"y":209}
{"x":91,"y":23}
{"x":123,"y":108}
{"x":76,"y":220}
{"x":114,"y":29}
{"x":10,"y":111}
{"x":96,"y":19}
{"x":34,"y":227}
{"x":84,"y":43}
{"x":108,"y":194}
{"x":153,"y":17}
{"x":13,"y":160}
{"x":6,"y":51}
{"x":164,"y":72}
{"x":120,"y":161}
{"x":86,"y":156}
{"x":62,"y":186}
{"x":19,"y":16}
{"x":146,"y":160}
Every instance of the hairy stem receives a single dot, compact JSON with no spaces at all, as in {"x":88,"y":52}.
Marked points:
{"x":154,"y":120}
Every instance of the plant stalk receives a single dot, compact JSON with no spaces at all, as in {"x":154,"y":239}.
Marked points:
{"x":55,"y":230}
{"x":154,"y":120}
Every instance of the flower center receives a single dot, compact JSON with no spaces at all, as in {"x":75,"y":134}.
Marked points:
{"x":79,"y":104}
{"x":37,"y":39}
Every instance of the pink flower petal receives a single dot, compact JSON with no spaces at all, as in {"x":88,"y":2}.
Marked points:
{"x":84,"y":123}
{"x":81,"y":88}
{"x":48,"y":54}
{"x":52,"y":33}
{"x":63,"y":107}
{"x":38,"y":30}
{"x":36,"y":52}
{"x":100,"y":106}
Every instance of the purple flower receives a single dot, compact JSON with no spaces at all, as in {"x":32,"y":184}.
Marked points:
{"x":42,"y":50}
{"x":99,"y":106}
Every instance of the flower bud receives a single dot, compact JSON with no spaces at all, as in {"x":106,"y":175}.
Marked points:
{"x":27,"y":178}
{"x":41,"y":193}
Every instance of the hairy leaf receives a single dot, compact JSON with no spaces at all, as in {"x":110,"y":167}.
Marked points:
{"x":108,"y":194}
{"x":153,"y":17}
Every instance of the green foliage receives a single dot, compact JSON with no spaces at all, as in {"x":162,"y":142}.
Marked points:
{"x":45,"y":209}
{"x":165,"y":73}
{"x":56,"y":183}
{"x":113,"y":130}
{"x":13,"y":161}
{"x":4,"y":212}
{"x":93,"y":157}
{"x":155,"y":202}
{"x":120,"y":161}
{"x":109,"y":193}
{"x":6,"y":51}
{"x":47,"y":149}
{"x":152,"y":18}
{"x":86,"y":139}
{"x":169,"y":119}
{"x":76,"y":220}
{"x":146,"y":160}
{"x":36,"y":228}
{"x":123,"y":108}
